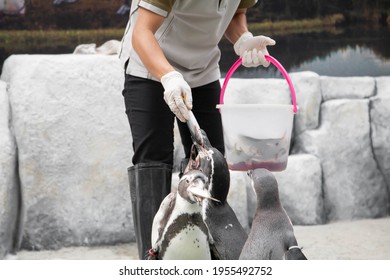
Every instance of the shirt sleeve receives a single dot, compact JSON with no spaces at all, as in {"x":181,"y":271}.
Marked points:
{"x":247,"y":3}
{"x":160,"y":7}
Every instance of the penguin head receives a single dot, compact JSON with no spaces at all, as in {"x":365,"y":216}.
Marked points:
{"x":265,"y":186}
{"x":214,"y":165}
{"x":193,"y":187}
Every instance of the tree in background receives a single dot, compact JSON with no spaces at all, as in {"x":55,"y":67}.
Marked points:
{"x":12,"y":7}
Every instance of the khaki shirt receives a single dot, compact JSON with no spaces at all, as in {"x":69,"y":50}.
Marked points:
{"x":188,"y":36}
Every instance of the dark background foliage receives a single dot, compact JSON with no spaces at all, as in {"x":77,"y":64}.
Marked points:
{"x":92,"y":14}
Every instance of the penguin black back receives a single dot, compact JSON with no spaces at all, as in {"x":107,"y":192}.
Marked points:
{"x":228,"y":234}
{"x":216,"y":168}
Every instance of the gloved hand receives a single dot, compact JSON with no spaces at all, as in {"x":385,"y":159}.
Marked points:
{"x":252,"y":49}
{"x":177,"y":94}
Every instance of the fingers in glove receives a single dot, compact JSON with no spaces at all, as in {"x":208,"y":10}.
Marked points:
{"x":182,"y":108}
{"x":188,"y":100}
{"x":255,"y":57}
{"x":247,"y":59}
{"x":177,"y":112}
{"x":172,"y":103}
{"x":270,"y":42}
{"x":265,"y":41}
{"x":261,"y":58}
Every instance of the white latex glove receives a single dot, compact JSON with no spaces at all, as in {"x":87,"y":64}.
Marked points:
{"x":252,"y":49}
{"x":177,"y":94}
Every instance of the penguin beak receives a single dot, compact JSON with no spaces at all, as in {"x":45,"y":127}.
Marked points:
{"x":200,"y":193}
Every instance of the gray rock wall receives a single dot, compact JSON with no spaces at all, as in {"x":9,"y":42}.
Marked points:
{"x":379,"y":115}
{"x":73,"y":146}
{"x":354,"y":186}
{"x":66,"y":145}
{"x":9,"y":183}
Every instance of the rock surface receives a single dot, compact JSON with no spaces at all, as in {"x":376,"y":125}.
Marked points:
{"x":380,"y":116}
{"x":300,"y":190}
{"x":73,"y":148}
{"x":9,"y":184}
{"x":308,"y":94}
{"x":353,"y":185}
{"x":347,"y":87}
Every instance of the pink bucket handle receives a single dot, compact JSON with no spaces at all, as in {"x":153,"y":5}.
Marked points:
{"x":274,"y":62}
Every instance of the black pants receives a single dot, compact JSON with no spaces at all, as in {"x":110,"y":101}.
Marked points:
{"x":151,"y":120}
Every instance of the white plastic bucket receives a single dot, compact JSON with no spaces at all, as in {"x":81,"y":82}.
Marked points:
{"x":257,"y":135}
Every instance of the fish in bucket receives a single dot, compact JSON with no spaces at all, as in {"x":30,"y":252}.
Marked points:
{"x":257,"y":135}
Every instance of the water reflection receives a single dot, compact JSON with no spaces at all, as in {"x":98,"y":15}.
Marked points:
{"x":358,"y":51}
{"x":349,"y":52}
{"x":351,"y":61}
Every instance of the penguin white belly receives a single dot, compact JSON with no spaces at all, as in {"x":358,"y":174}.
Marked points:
{"x":185,"y":235}
{"x":190,"y":244}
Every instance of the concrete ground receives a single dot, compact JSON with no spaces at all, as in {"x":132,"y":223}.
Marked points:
{"x":352,"y":240}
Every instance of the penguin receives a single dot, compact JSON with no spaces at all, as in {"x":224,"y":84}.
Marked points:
{"x":178,"y":230}
{"x":227,"y":232}
{"x":272,"y":235}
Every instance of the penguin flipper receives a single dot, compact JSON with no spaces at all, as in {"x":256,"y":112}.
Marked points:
{"x":162,"y":216}
{"x":295,"y":253}
{"x":215,"y":255}
{"x":228,"y":234}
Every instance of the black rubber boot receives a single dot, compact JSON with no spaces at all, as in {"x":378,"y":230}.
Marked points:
{"x":149,"y":184}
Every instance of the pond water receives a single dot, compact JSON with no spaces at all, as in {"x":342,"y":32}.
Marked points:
{"x":358,"y":51}
{"x":348,"y":52}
